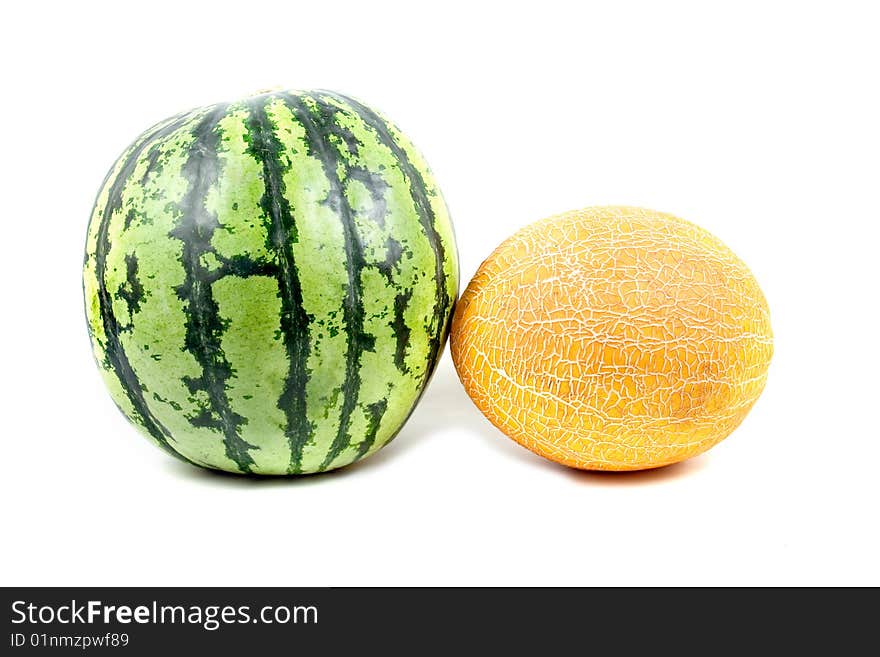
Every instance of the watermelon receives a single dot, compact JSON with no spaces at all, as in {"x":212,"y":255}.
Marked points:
{"x":269,"y":282}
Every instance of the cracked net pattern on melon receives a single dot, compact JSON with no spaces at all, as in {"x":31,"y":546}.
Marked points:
{"x":613,"y":339}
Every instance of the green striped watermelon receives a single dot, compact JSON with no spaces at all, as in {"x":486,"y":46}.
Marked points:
{"x":269,"y":282}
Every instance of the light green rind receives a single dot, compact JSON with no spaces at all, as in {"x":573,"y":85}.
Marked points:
{"x":381,"y":378}
{"x":319,"y":252}
{"x":250,"y":344}
{"x":155,"y":344}
{"x":442,"y":220}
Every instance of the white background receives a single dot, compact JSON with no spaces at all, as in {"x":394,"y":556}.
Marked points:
{"x":760,"y":122}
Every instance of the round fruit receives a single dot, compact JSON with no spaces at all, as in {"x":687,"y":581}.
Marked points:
{"x":613,"y":339}
{"x":268,"y":282}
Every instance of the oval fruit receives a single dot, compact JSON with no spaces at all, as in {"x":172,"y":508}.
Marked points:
{"x":268,"y":282}
{"x":613,"y":339}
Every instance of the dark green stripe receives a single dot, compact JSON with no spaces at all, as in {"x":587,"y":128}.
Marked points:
{"x":115,"y":356}
{"x":419,"y":193}
{"x":204,"y":326}
{"x":375,"y":411}
{"x":282,"y":233}
{"x":132,"y":293}
{"x":318,"y":127}
{"x":400,"y":328}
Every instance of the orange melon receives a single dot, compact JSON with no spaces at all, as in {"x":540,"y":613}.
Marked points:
{"x":613,"y":338}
